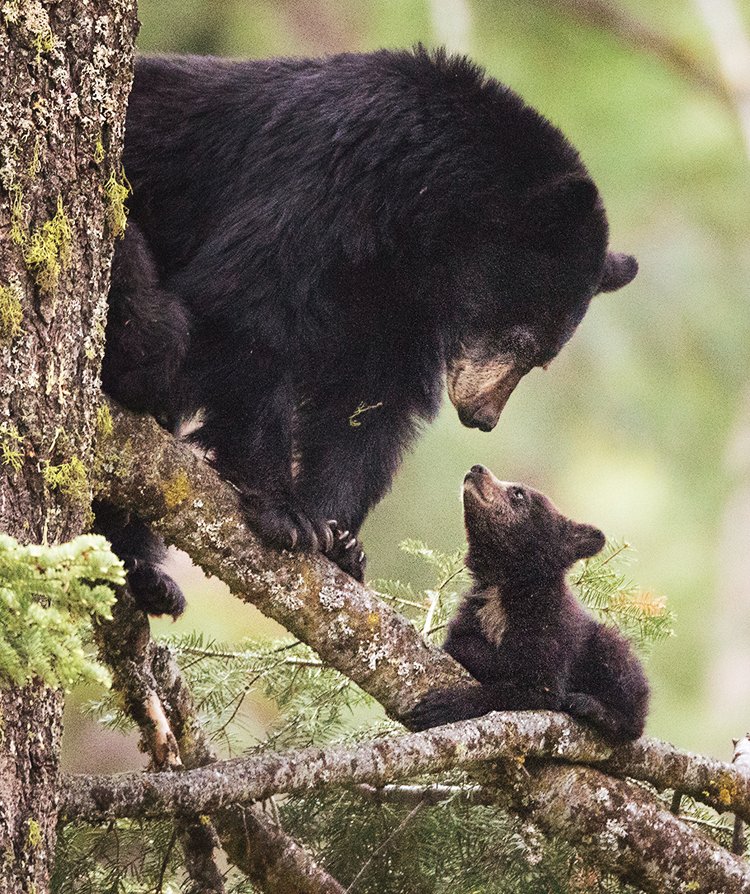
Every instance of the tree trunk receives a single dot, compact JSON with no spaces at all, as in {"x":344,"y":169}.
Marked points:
{"x":65,"y":71}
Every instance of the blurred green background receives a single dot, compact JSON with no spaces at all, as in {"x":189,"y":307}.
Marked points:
{"x":642,"y":425}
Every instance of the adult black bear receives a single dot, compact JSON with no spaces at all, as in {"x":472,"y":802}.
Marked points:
{"x":520,"y":631}
{"x":312,"y":244}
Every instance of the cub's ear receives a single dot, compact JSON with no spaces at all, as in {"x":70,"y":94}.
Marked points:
{"x":553,"y":209}
{"x":619,"y":270}
{"x":585,"y":540}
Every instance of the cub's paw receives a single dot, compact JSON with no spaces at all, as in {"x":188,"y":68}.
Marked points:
{"x":155,"y":592}
{"x":612,"y":725}
{"x":283,"y":525}
{"x":346,"y":551}
{"x":441,"y":706}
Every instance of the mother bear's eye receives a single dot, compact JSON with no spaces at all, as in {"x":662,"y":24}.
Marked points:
{"x":517,"y":494}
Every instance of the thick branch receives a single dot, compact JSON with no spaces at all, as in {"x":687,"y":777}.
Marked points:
{"x":508,"y":736}
{"x":245,"y":780}
{"x":624,"y":830}
{"x":142,"y":469}
{"x":616,"y":823}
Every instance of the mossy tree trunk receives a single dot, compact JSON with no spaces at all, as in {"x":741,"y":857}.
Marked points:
{"x":65,"y":70}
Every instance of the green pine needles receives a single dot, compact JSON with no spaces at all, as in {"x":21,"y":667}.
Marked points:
{"x":48,"y":598}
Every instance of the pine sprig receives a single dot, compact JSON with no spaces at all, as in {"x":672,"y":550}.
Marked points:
{"x":604,"y":586}
{"x":48,"y":597}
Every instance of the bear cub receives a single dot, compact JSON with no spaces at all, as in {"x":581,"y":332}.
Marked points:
{"x":521,"y":633}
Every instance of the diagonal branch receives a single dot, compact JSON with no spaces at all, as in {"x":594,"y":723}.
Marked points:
{"x":142,"y":469}
{"x":613,"y":19}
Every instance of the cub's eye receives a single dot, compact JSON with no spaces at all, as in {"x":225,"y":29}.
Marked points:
{"x":517,"y":494}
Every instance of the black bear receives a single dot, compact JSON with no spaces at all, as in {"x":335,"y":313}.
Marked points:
{"x":313,"y":244}
{"x":521,"y":633}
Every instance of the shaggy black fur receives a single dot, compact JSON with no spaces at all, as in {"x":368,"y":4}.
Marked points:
{"x":520,"y":631}
{"x":313,"y":242}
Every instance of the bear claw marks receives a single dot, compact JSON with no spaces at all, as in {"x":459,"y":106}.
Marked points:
{"x":284,"y":526}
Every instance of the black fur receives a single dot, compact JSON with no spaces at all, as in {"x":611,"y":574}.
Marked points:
{"x":552,"y":654}
{"x":312,"y":242}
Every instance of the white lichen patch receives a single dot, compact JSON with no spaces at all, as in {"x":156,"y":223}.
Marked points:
{"x":601,"y":795}
{"x":279,"y":594}
{"x":331,"y":598}
{"x":372,"y":654}
{"x":613,"y":835}
{"x":409,"y":668}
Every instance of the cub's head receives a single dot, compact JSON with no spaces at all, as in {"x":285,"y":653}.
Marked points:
{"x":524,"y":288}
{"x":516,"y":534}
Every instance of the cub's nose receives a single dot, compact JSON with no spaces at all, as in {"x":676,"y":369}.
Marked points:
{"x":475,"y":471}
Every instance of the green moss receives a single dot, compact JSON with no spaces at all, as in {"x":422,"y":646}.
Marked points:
{"x":104,"y":424}
{"x":99,"y":150}
{"x":17,"y":215}
{"x":43,"y":42}
{"x":47,"y":250}
{"x":36,"y":158}
{"x":34,"y":834}
{"x":117,"y":190}
{"x":11,"y":312}
{"x":176,"y":490}
{"x":11,"y":453}
{"x":69,"y":478}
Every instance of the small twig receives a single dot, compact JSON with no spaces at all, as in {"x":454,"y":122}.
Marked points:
{"x":381,"y":847}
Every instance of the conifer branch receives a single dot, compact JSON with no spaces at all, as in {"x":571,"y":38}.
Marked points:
{"x":145,"y":673}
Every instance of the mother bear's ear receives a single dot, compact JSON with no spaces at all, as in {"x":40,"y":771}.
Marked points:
{"x":619,"y":270}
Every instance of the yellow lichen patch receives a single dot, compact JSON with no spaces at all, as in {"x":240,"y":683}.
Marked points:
{"x":11,"y":453}
{"x":99,"y":150}
{"x":69,"y":478}
{"x":104,"y":424}
{"x":176,"y":490}
{"x":11,"y":312}
{"x":117,"y":190}
{"x":47,"y":249}
{"x":373,"y":619}
{"x":34,"y":834}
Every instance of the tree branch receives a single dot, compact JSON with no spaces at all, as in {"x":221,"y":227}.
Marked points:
{"x":616,"y":823}
{"x":144,"y":670}
{"x":142,"y":469}
{"x":510,"y":736}
{"x":612,"y":19}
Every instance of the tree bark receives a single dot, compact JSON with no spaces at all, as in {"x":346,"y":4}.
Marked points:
{"x":65,"y":71}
